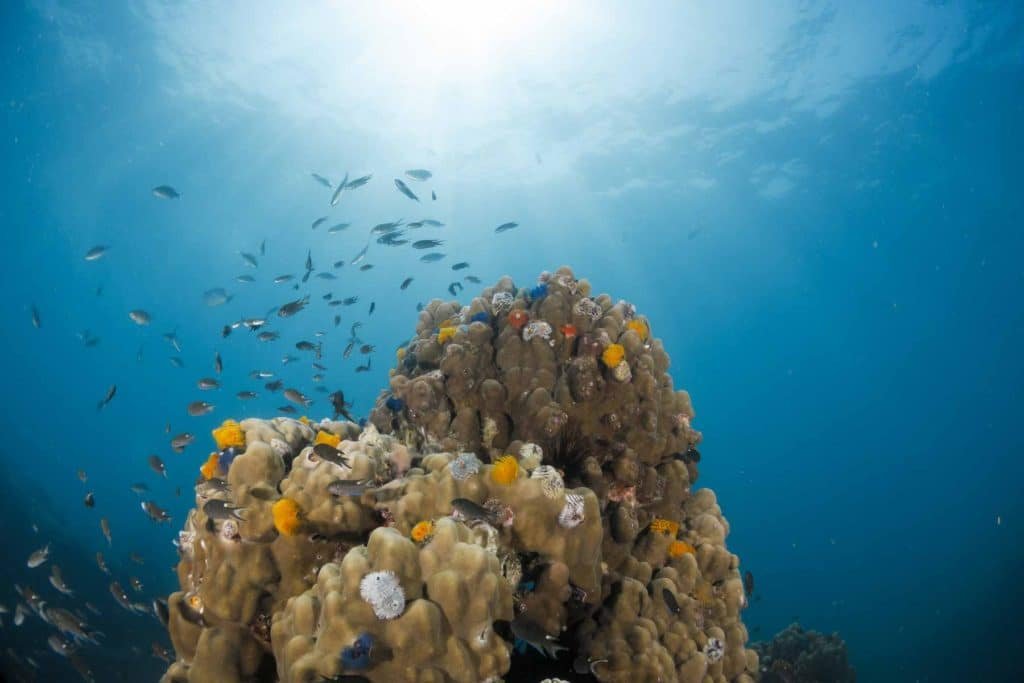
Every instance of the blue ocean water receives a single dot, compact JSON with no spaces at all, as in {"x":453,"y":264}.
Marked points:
{"x":817,"y":205}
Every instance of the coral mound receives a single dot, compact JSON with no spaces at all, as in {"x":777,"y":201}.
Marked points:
{"x":798,"y":656}
{"x":524,"y":482}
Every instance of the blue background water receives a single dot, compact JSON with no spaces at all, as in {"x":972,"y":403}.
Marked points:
{"x":818,"y":208}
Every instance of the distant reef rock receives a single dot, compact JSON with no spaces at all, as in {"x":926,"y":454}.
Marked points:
{"x":798,"y":656}
{"x":525,"y":483}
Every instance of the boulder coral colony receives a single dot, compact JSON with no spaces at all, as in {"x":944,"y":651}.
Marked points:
{"x":525,"y":479}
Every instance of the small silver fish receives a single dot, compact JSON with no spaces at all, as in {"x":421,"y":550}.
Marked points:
{"x":420,"y":174}
{"x":111,"y":392}
{"x":245,"y":279}
{"x":349,"y":487}
{"x":427,"y":244}
{"x":182,"y":441}
{"x":385,"y":228}
{"x":322,"y":180}
{"x":361,"y":255}
{"x":61,"y":646}
{"x":336,"y":197}
{"x":96,"y":253}
{"x":505,"y":227}
{"x":319,"y":221}
{"x":536,"y":637}
{"x":253,"y":324}
{"x":57,"y":580}
{"x":432,"y":257}
{"x":670,"y":600}
{"x":291,"y":308}
{"x":105,"y":528}
{"x":337,"y":227}
{"x":36,"y":321}
{"x":38,"y":557}
{"x":404,"y":189}
{"x":358,"y":182}
{"x":220,"y":510}
{"x":330,"y":454}
{"x":249,"y":259}
{"x":246,"y":395}
{"x":165,"y":192}
{"x":216,"y":297}
{"x":157,"y":465}
{"x":208,"y":383}
{"x":160,"y":611}
{"x":461,"y":265}
{"x":405,"y":283}
{"x":140,"y":317}
{"x":200,"y":408}
{"x":297,"y":397}
{"x":470,"y":511}
{"x":121,"y":596}
{"x":161,"y":652}
{"x":218,"y":364}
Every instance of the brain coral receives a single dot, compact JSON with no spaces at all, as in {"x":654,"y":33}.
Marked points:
{"x":447,"y":555}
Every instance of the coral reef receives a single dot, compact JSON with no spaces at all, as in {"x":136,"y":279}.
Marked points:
{"x":798,"y":656}
{"x":524,"y":482}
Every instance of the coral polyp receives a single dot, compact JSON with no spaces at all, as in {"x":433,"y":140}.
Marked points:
{"x":505,"y":470}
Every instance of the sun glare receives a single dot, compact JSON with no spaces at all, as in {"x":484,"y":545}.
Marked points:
{"x":470,"y":36}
